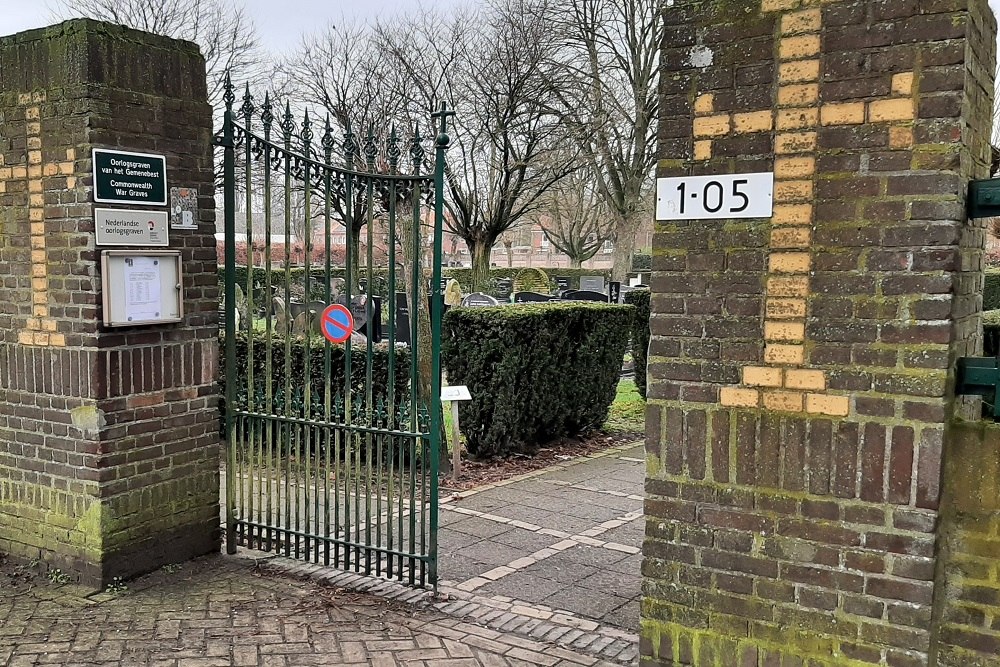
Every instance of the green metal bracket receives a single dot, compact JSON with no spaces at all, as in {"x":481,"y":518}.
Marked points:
{"x":984,"y":198}
{"x":979,"y":376}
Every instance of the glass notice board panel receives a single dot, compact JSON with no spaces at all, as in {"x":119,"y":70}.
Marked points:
{"x":141,"y":287}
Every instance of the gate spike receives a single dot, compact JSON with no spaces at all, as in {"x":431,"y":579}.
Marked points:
{"x":267,"y":115}
{"x":394,"y":151}
{"x":327,"y":140}
{"x":306,"y":135}
{"x":350,"y":144}
{"x":371,"y":149}
{"x":417,"y":149}
{"x":288,"y":122}
{"x":247,"y":108}
{"x":227,"y":95}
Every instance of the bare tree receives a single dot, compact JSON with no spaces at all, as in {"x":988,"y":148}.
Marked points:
{"x":575,"y":220}
{"x":342,"y":71}
{"x":491,"y":66}
{"x":607,"y":85}
{"x":222,"y":29}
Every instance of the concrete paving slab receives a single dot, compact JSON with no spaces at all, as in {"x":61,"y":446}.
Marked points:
{"x":567,"y":538}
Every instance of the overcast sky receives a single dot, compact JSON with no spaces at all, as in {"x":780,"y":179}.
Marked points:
{"x":279,"y":22}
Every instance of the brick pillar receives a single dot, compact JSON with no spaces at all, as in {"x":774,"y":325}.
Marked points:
{"x":800,"y":368}
{"x":108,"y":437}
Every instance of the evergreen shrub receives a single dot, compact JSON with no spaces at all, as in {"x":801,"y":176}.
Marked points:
{"x":640,"y":335}
{"x":537,"y":372}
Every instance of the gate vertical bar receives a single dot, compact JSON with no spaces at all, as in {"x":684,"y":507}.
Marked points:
{"x":229,"y":203}
{"x":441,"y":146}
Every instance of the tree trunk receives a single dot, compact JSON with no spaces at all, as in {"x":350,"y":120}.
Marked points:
{"x":355,"y":255}
{"x":625,"y":232}
{"x":575,"y":263}
{"x":509,"y":247}
{"x":480,"y":253}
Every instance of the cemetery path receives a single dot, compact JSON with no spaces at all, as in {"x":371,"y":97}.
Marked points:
{"x":562,"y":541}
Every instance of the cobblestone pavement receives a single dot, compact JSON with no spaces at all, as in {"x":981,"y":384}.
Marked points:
{"x":565,"y":539}
{"x":233,"y":611}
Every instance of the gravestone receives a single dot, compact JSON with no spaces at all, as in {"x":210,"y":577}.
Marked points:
{"x":585,"y":295}
{"x":505,"y":286}
{"x":402,"y":319}
{"x":614,"y":292}
{"x":478,"y":300}
{"x":375,"y":319}
{"x":532,"y":297}
{"x":592,"y":283}
{"x":563,"y":283}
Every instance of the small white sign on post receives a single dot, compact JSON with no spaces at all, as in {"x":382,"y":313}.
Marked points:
{"x":457,"y":393}
{"x":454,"y":395}
{"x":715,"y":197}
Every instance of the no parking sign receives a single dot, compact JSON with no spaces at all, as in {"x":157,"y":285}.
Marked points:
{"x":337,"y":323}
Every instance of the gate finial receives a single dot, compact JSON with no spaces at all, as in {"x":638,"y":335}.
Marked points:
{"x":393,"y":151}
{"x":247,"y":108}
{"x":416,"y":149}
{"x":306,"y":135}
{"x":267,"y":115}
{"x":227,"y":95}
{"x":350,"y":145}
{"x":442,"y":114}
{"x":327,"y":140}
{"x":288,"y":122}
{"x":371,"y":149}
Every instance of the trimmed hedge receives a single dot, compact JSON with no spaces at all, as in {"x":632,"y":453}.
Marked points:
{"x":297,"y":359}
{"x":991,"y":333}
{"x":537,"y":372}
{"x":991,"y":290}
{"x":642,"y":262}
{"x":640,"y":335}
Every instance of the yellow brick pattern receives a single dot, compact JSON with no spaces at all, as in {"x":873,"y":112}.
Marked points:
{"x":783,"y":383}
{"x":39,"y":329}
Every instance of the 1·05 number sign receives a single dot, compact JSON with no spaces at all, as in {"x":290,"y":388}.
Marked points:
{"x":720,"y":197}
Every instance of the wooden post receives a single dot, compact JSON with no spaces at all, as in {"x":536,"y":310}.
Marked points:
{"x":456,"y":444}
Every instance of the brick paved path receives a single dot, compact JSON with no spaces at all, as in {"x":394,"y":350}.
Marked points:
{"x":228,"y":611}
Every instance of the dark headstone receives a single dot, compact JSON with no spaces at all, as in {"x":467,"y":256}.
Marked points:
{"x":586,"y":295}
{"x":402,"y":319}
{"x":532,"y":297}
{"x":614,"y":292}
{"x":375,"y":317}
{"x":563,"y":283}
{"x":505,"y":286}
{"x":479,"y":300}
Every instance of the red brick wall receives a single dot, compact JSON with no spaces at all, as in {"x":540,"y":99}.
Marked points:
{"x":799,"y":370}
{"x":108,"y":437}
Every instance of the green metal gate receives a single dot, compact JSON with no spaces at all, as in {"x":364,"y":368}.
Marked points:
{"x":332,"y":449}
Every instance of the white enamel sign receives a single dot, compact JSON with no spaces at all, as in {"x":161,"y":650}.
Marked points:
{"x":715,"y":197}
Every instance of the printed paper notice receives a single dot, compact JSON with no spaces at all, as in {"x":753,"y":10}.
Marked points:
{"x":142,"y":289}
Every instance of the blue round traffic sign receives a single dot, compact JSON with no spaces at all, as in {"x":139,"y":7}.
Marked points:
{"x":337,"y":323}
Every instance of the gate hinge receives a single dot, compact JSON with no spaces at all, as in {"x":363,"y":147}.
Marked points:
{"x":979,"y":376}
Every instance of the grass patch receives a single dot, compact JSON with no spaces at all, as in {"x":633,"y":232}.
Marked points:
{"x":628,"y":411}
